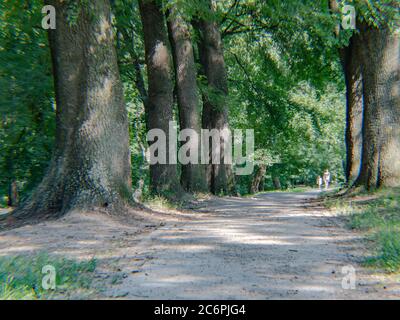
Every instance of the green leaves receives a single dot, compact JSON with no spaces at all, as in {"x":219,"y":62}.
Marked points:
{"x":26,"y":96}
{"x":379,"y":13}
{"x":286,"y":83}
{"x":285,"y":80}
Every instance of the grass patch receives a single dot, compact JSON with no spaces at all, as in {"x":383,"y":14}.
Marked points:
{"x":388,"y":256}
{"x":21,"y":277}
{"x":160,"y":203}
{"x":170,"y":200}
{"x":378,"y":215}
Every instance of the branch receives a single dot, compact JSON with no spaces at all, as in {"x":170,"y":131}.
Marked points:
{"x":233,"y":6}
{"x":245,"y":72}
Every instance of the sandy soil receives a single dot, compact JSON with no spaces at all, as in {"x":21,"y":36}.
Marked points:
{"x":272,"y":246}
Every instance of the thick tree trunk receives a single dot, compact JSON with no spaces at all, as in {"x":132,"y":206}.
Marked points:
{"x":354,"y":110}
{"x":215,"y":109}
{"x":90,"y":166}
{"x":164,"y":178}
{"x":258,"y":178}
{"x":381,"y":132}
{"x":193,"y":176}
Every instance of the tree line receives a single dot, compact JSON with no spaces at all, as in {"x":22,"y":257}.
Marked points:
{"x":278,"y":68}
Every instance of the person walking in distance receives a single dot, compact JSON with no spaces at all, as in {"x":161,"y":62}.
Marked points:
{"x":319,"y":182}
{"x":327,"y":179}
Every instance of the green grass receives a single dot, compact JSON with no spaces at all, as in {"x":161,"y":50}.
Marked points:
{"x":160,"y":203}
{"x":388,"y":256}
{"x":21,"y":277}
{"x":169,"y":200}
{"x":379,"y":218}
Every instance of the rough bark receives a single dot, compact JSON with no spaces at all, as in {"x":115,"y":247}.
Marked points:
{"x":258,"y":178}
{"x":90,"y":166}
{"x":351,"y":63}
{"x":381,"y":131}
{"x":215,"y":109}
{"x":354,"y":109}
{"x":193,"y":177}
{"x":164,"y":178}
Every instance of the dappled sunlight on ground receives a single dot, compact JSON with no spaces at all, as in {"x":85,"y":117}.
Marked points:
{"x":271,"y":246}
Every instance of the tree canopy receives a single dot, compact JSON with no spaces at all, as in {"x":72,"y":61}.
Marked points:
{"x":283,"y":71}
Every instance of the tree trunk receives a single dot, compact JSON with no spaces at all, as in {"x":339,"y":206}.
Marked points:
{"x":354,"y":110}
{"x":193,"y":176}
{"x":354,"y":99}
{"x":215,"y":109}
{"x":90,"y":166}
{"x":381,"y":132}
{"x":277,"y":183}
{"x":164,"y":178}
{"x":258,"y":177}
{"x":12,"y":194}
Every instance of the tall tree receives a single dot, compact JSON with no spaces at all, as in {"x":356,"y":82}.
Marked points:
{"x":381,"y":131}
{"x":90,"y":165}
{"x":193,"y":176}
{"x":351,"y":63}
{"x":354,"y":110}
{"x":215,"y":108}
{"x":159,"y":107}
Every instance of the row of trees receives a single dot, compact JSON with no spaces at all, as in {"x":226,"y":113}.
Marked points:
{"x":90,"y":164}
{"x":123,"y":67}
{"x":159,"y":37}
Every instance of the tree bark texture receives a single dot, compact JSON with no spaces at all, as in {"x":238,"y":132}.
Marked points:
{"x":193,"y":177}
{"x":164,"y":178}
{"x":215,"y":108}
{"x":354,"y":109}
{"x":381,"y":130}
{"x":90,"y":166}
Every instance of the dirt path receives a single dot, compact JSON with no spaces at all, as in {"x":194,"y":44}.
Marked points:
{"x":267,"y":247}
{"x":272,"y":246}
